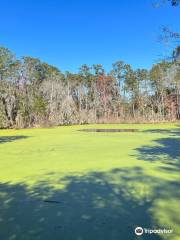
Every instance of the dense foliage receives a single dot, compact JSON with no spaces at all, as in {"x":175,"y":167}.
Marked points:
{"x":34,"y":93}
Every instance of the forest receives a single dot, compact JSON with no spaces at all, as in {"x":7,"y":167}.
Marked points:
{"x":34,"y":93}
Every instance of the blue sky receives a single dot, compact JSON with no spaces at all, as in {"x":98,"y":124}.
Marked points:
{"x":69,"y":33}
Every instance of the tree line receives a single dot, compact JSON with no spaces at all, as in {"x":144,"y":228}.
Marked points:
{"x":34,"y":93}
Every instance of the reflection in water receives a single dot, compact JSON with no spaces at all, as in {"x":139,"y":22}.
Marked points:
{"x":108,"y":130}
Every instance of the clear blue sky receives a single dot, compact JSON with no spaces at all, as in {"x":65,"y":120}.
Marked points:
{"x":69,"y":33}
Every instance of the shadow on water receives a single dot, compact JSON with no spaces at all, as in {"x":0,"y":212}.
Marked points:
{"x":165,"y":149}
{"x":6,"y":139}
{"x":172,"y":132}
{"x":93,"y":206}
